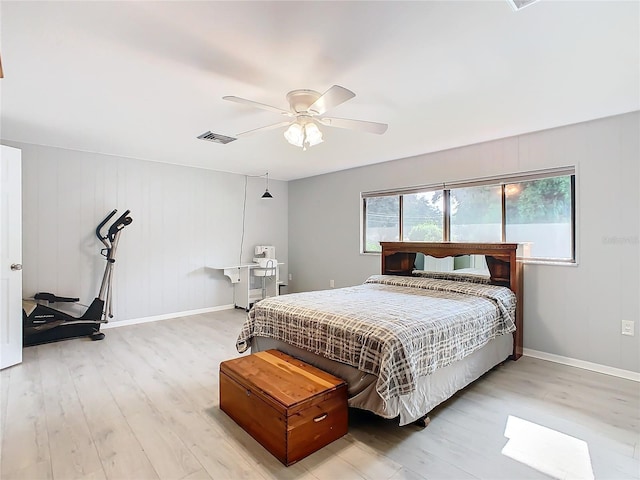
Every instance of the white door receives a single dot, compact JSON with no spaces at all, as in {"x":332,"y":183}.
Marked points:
{"x":10,"y":256}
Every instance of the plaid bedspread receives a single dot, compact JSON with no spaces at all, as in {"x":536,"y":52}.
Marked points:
{"x":398,"y":328}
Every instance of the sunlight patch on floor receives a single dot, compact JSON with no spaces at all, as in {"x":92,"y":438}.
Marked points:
{"x":548,"y":451}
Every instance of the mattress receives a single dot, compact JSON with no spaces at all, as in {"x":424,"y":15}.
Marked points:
{"x":431,"y":390}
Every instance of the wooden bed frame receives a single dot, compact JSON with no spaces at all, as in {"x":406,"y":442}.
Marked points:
{"x":398,"y":258}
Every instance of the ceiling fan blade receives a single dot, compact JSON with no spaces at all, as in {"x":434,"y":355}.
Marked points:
{"x":370,"y":127}
{"x":331,"y":98}
{"x":251,"y":103}
{"x":263,"y":129}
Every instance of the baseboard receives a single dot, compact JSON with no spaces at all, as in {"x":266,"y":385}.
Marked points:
{"x":573,"y":362}
{"x":167,"y":316}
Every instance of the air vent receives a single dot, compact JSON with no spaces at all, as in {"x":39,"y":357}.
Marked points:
{"x":216,"y":137}
{"x":520,"y":4}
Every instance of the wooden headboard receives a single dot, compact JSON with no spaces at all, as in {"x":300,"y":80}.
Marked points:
{"x":398,"y":258}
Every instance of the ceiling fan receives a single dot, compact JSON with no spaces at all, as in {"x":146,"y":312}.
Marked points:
{"x":306,"y":110}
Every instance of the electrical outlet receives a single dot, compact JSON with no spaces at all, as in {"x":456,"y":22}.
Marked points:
{"x":331,"y":284}
{"x":627,"y":327}
{"x":290,"y":277}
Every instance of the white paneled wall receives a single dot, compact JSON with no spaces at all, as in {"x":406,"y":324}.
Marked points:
{"x":184,"y":219}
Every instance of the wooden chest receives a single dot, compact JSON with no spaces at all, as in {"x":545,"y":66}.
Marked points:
{"x":290,"y":407}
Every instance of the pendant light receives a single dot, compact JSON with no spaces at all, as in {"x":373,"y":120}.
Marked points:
{"x":266,"y":193}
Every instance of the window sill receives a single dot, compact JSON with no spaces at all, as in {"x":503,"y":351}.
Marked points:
{"x":547,"y":262}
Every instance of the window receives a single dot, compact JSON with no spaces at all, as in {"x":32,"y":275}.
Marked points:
{"x":422,"y":217}
{"x":535,"y":209}
{"x":381,"y":221}
{"x":476,"y":214}
{"x":538,"y":215}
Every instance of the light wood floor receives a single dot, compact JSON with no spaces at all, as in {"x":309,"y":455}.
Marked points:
{"x":143,"y":403}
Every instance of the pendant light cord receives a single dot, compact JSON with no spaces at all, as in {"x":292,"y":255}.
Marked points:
{"x":244,"y":215}
{"x":244,"y":209}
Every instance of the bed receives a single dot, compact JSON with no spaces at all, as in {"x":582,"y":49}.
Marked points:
{"x":404,"y":340}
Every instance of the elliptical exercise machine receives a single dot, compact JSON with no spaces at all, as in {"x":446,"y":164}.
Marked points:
{"x":42,"y":323}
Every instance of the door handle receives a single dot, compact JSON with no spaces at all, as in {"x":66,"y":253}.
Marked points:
{"x":16,"y":266}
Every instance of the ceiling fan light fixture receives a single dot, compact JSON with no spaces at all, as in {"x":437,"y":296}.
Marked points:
{"x":294,"y":134}
{"x":303,"y":134}
{"x":313,"y":134}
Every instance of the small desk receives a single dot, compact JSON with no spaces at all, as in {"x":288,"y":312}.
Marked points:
{"x":244,"y":293}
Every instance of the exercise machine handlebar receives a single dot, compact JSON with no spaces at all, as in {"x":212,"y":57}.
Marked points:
{"x":109,"y":239}
{"x":101,"y":237}
{"x":119,"y":224}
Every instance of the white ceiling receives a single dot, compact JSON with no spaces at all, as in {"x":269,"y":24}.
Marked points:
{"x":144,"y":79}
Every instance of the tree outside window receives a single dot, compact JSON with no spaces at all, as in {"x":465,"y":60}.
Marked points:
{"x":422,"y":217}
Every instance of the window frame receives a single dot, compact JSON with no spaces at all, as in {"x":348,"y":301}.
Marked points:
{"x":501,"y":181}
{"x":363,"y":219}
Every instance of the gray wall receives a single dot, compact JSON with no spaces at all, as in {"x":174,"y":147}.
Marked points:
{"x":573,"y":311}
{"x":183,"y":220}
